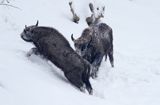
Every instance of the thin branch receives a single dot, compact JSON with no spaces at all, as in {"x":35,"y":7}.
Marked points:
{"x":90,"y":20}
{"x":7,"y":1}
{"x":10,"y":6}
{"x":91,"y":7}
{"x":4,"y":1}
{"x":75,"y":17}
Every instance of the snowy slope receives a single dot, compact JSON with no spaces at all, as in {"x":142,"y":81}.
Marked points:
{"x":34,"y":81}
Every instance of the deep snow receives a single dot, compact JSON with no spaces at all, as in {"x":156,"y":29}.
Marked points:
{"x":34,"y":81}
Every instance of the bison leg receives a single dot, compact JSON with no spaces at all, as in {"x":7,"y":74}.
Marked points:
{"x":94,"y":73}
{"x":76,"y":79}
{"x":96,"y":63}
{"x":33,"y":51}
{"x":111,"y":59}
{"x":85,"y":78}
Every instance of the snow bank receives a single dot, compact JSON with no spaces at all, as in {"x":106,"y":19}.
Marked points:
{"x":34,"y":81}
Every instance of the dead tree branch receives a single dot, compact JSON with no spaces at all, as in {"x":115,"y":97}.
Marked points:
{"x":10,"y":6}
{"x":93,"y":19}
{"x":101,"y":15}
{"x":3,"y":1}
{"x":75,"y":16}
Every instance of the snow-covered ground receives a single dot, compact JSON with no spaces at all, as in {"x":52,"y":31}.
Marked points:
{"x":34,"y":81}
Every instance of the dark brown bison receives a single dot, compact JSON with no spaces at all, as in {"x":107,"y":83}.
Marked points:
{"x":95,"y":42}
{"x":52,"y":45}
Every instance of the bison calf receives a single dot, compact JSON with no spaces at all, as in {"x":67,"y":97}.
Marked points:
{"x":53,"y":46}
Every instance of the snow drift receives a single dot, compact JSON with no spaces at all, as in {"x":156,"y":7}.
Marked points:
{"x":33,"y":81}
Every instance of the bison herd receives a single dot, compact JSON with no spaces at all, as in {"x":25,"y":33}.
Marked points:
{"x":95,"y":42}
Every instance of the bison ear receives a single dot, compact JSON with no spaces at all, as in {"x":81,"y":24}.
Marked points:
{"x":72,"y":38}
{"x":37,"y":23}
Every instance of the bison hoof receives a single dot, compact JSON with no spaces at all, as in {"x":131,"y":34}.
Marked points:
{"x":82,"y":89}
{"x":94,"y":75}
{"x":112,"y":64}
{"x":28,"y":54}
{"x":90,"y":92}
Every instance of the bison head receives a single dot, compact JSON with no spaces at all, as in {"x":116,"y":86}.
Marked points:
{"x":82,"y":43}
{"x":27,"y":33}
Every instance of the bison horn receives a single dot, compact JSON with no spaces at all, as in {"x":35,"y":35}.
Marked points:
{"x":37,"y":23}
{"x":72,"y":38}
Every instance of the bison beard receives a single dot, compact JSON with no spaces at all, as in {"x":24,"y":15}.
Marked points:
{"x":53,"y":46}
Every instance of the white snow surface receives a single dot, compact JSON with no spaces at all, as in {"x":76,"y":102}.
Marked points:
{"x":135,"y":79}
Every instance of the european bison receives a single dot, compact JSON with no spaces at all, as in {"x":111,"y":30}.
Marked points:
{"x":95,"y":42}
{"x":53,"y":46}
